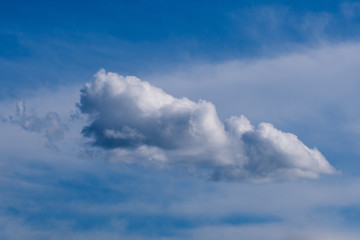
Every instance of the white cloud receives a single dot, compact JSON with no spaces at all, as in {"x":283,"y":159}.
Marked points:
{"x":138,"y":120}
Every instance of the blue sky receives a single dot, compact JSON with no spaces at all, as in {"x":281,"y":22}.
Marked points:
{"x":242,"y":120}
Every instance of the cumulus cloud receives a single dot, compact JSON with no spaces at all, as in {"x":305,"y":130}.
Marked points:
{"x":49,"y":126}
{"x":138,"y":121}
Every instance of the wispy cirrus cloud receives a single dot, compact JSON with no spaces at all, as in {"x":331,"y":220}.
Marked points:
{"x":50,"y":126}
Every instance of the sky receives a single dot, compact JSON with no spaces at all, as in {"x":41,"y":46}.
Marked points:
{"x":180,"y":120}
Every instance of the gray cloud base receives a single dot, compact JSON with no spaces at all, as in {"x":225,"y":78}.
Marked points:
{"x":138,"y":121}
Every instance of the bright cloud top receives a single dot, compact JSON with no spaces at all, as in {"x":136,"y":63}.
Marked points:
{"x":139,"y":121}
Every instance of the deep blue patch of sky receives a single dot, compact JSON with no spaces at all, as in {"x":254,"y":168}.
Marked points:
{"x":47,"y":43}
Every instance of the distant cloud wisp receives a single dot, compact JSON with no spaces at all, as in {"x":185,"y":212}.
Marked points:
{"x":50,"y":126}
{"x":138,"y":121}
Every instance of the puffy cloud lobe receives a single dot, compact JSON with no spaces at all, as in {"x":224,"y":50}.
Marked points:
{"x":50,"y":126}
{"x":139,"y":121}
{"x":273,"y":154}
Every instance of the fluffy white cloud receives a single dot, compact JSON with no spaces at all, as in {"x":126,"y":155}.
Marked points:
{"x":139,"y":121}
